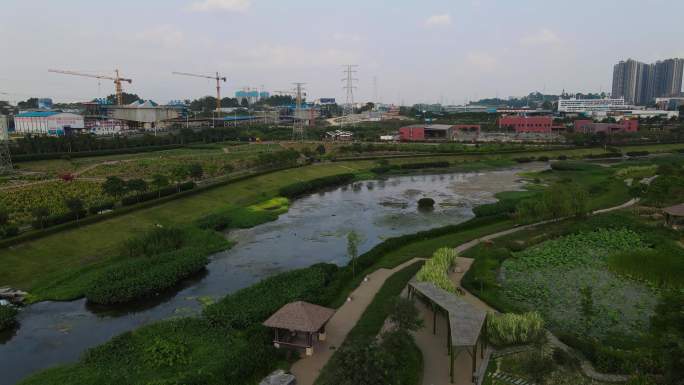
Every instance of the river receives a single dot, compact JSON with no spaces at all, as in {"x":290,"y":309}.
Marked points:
{"x":313,"y":230}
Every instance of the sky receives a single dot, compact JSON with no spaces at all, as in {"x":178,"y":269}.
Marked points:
{"x":414,"y":51}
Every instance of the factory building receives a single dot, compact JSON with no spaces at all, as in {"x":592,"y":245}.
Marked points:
{"x":590,"y":105}
{"x":525,"y":124}
{"x":48,"y":123}
{"x":147,"y":115}
{"x":418,"y":133}
{"x":589,"y":127}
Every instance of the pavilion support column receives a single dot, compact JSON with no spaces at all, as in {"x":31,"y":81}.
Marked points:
{"x":451,"y":362}
{"x":434,"y":319}
{"x":474,"y":362}
{"x":448,"y":327}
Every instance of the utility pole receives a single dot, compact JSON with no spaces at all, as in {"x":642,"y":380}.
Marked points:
{"x":349,"y":86}
{"x":298,"y":121}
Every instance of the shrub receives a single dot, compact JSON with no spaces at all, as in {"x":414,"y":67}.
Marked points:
{"x":143,"y":277}
{"x":301,"y":188}
{"x":514,"y":329}
{"x":526,"y":159}
{"x":11,"y":231}
{"x":637,"y":153}
{"x":255,"y":303}
{"x":426,"y":203}
{"x":7,"y":317}
{"x":96,"y":209}
{"x":436,"y":269}
{"x":604,"y":155}
{"x":156,"y":261}
{"x":570,"y":166}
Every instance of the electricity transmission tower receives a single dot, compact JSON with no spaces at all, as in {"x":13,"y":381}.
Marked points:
{"x":349,"y":86}
{"x":298,"y":121}
{"x":5,"y":159}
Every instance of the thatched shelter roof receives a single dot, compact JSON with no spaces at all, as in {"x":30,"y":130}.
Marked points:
{"x":676,"y":210}
{"x":300,"y":316}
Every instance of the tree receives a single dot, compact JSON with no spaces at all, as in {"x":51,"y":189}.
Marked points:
{"x":30,"y":103}
{"x":353,"y":240}
{"x":4,"y":217}
{"x":75,"y":206}
{"x":114,"y":187}
{"x":127,"y":98}
{"x":195,"y":171}
{"x":41,"y":213}
{"x":179,"y":174}
{"x":244,"y":103}
{"x":137,"y":185}
{"x":160,"y":181}
{"x":404,"y":315}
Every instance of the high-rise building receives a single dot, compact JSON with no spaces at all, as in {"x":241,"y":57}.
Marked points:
{"x":668,"y":78}
{"x":640,"y":83}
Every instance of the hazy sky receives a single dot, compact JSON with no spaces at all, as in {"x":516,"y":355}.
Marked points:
{"x":419,"y":51}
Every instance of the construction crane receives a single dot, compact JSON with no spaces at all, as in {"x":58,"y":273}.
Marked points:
{"x":117,"y":81}
{"x":218,"y":79}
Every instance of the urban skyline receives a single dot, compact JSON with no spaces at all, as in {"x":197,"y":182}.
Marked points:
{"x":436,"y":50}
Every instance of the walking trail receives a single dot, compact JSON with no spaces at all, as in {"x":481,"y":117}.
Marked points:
{"x":435,"y":358}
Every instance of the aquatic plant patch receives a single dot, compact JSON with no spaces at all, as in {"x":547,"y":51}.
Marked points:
{"x":568,"y":281}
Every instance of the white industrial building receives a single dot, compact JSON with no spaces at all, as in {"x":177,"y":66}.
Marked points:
{"x":590,"y":105}
{"x":47,"y":123}
{"x":147,"y":115}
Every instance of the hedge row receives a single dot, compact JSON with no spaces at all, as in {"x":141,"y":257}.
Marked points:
{"x":604,"y":155}
{"x":85,"y":154}
{"x":301,"y":188}
{"x":252,"y":305}
{"x":418,"y":166}
{"x":7,"y":317}
{"x":151,"y":195}
{"x":638,"y":153}
{"x":54,"y":220}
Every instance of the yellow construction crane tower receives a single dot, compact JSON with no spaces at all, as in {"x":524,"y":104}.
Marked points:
{"x":117,"y":81}
{"x":218,"y":79}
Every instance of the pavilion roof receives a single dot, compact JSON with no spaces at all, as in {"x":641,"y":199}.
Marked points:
{"x":300,"y":316}
{"x":676,"y":210}
{"x":465,"y":319}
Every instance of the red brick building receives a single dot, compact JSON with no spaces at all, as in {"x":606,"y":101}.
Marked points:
{"x":412,"y":133}
{"x":589,"y":127}
{"x":520,"y":124}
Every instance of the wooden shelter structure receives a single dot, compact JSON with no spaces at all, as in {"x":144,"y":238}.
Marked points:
{"x":674,"y":215}
{"x":465,"y":323}
{"x":299,"y":324}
